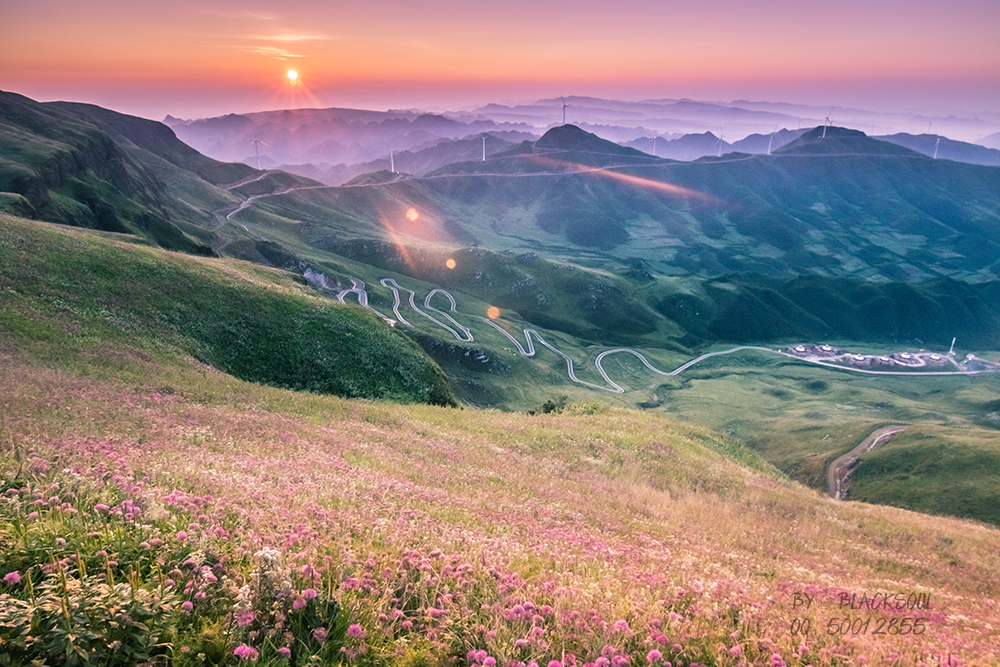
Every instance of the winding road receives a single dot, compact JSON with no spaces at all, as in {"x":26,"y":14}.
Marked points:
{"x":840,"y":470}
{"x":464,"y":333}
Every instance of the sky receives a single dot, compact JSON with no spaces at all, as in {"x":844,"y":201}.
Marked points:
{"x":200,"y":58}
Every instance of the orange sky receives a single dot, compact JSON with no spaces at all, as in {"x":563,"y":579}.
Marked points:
{"x":202,"y":58}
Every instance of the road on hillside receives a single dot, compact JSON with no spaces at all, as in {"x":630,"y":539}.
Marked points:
{"x":840,"y":469}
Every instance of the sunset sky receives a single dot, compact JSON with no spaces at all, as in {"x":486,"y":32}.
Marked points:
{"x":197,"y":58}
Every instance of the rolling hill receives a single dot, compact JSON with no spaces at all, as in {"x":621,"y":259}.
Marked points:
{"x":841,"y":238}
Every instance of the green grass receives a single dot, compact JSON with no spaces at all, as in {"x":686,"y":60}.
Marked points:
{"x":933,"y":469}
{"x":80,"y":295}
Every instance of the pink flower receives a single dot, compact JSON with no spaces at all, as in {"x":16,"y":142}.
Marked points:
{"x":555,"y":663}
{"x":654,"y":656}
{"x":244,"y":618}
{"x":187,"y":606}
{"x":181,"y":535}
{"x":407,"y":624}
{"x":245,"y":652}
{"x":309,"y":593}
{"x":355,"y":631}
{"x":285,"y":652}
{"x":735,"y":651}
{"x":620,"y":626}
{"x":100,"y":507}
{"x":298,"y":604}
{"x":319,"y":634}
{"x":490,"y":661}
{"x":521,"y":643}
{"x":12,"y":578}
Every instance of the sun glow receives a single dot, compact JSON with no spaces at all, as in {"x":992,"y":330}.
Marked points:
{"x":292,"y":75}
{"x":412,"y":214}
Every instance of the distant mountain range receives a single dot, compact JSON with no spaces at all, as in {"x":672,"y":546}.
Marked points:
{"x":335,"y":145}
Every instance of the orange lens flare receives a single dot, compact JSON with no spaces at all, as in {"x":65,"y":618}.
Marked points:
{"x":412,"y":214}
{"x":610,"y":172}
{"x":493,"y":312}
{"x":450,"y":264}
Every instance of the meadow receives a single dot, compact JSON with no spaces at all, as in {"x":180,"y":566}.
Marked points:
{"x":158,"y":510}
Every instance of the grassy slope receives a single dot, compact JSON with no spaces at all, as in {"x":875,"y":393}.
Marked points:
{"x":602,"y":513}
{"x":78,"y":292}
{"x":936,"y":469}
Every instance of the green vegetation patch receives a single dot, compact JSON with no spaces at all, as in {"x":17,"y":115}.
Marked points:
{"x":935,"y":470}
{"x":77,"y":290}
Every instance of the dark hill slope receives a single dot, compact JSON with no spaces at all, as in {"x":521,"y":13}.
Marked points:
{"x":69,"y":170}
{"x":159,"y":140}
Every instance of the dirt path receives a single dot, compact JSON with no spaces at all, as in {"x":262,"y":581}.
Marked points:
{"x":836,"y":474}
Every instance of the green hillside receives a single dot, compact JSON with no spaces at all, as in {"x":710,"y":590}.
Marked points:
{"x":141,"y":491}
{"x":81,"y":296}
{"x":508,"y":225}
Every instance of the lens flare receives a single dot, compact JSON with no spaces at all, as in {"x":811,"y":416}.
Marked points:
{"x":412,"y":214}
{"x":292,"y":75}
{"x":493,"y":312}
{"x":450,"y":264}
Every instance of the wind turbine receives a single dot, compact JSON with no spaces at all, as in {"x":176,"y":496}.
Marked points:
{"x":770,"y":137}
{"x":564,"y":110}
{"x":256,"y":143}
{"x":719,"y":142}
{"x":654,"y":145}
{"x":392,"y":163}
{"x":826,"y":123}
{"x":484,"y":148}
{"x":936,"y":144}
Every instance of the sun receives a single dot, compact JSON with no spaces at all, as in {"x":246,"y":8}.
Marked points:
{"x":412,"y":214}
{"x":292,"y":75}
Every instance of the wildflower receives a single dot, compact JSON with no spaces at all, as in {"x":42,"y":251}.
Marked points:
{"x":285,"y":652}
{"x":32,"y":516}
{"x":654,"y":656}
{"x":187,"y":606}
{"x":12,"y":578}
{"x":100,"y":507}
{"x":355,"y":631}
{"x":319,"y":634}
{"x":602,"y":662}
{"x":246,"y":653}
{"x":620,"y":626}
{"x":521,"y":643}
{"x":777,"y":661}
{"x":490,"y":661}
{"x":555,"y":663}
{"x":244,"y":618}
{"x":181,"y":535}
{"x":735,"y":651}
{"x":407,"y":624}
{"x":61,"y":541}
{"x":299,"y":603}
{"x":309,"y":593}
{"x":168,"y":583}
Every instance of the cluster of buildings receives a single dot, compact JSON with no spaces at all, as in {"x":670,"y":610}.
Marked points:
{"x":904,"y":359}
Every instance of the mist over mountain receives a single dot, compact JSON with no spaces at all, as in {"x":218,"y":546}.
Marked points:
{"x":335,"y":145}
